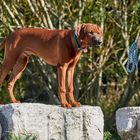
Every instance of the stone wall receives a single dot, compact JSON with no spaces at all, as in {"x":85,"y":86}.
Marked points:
{"x":128,"y":123}
{"x":49,"y":122}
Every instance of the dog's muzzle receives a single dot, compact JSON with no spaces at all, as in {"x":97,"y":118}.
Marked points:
{"x":96,"y":42}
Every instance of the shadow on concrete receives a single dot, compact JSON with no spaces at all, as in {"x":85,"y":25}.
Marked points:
{"x":5,"y":128}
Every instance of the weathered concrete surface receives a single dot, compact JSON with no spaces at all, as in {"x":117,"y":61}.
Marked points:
{"x":51,"y":122}
{"x":128,"y":123}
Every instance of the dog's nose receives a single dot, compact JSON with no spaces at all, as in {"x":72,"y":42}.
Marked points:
{"x":98,"y":42}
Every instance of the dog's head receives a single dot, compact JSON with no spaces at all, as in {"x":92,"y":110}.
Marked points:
{"x":88,"y":34}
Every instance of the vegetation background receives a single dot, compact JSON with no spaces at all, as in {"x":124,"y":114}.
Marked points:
{"x":100,"y":76}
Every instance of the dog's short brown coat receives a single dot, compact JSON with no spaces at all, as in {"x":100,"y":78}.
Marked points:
{"x":55,"y":47}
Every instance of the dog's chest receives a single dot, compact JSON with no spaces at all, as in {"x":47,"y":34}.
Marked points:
{"x":75,"y":59}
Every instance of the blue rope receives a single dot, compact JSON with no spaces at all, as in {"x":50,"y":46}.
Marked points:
{"x":132,"y":62}
{"x":75,"y":40}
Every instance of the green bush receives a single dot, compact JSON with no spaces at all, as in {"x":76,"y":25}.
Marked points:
{"x":107,"y":135}
{"x":111,"y":136}
{"x":12,"y":136}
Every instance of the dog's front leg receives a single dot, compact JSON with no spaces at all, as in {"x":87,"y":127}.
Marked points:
{"x":61,"y":86}
{"x":69,"y":86}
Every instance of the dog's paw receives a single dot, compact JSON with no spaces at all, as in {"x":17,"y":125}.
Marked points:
{"x":15,"y":101}
{"x":76,"y":104}
{"x":1,"y":103}
{"x":66,"y":105}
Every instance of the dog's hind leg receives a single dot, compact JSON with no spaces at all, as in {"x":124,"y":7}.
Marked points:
{"x":6,"y":67}
{"x":15,"y":75}
{"x":3,"y":73}
{"x":9,"y":60}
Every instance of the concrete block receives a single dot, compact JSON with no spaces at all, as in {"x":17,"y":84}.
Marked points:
{"x":50,"y":122}
{"x":128,"y":123}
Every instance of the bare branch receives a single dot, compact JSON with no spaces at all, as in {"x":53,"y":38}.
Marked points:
{"x":49,"y":21}
{"x":10,"y":13}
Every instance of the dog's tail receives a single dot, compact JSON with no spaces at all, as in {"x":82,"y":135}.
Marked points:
{"x":2,"y":45}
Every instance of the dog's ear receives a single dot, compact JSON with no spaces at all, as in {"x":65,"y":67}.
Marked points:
{"x":79,"y":30}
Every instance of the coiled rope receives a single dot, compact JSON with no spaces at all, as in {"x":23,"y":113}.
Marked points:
{"x":132,"y":62}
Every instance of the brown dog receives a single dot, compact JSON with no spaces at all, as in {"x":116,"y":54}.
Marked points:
{"x":60,"y":48}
